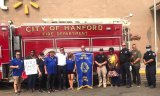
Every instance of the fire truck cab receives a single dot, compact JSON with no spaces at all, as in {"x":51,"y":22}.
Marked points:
{"x":68,"y":33}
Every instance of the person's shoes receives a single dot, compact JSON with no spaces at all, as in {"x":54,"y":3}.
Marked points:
{"x":138,"y":86}
{"x":128,"y":86}
{"x":16,"y":92}
{"x":113,"y":85}
{"x":99,"y":85}
{"x":49,"y":92}
{"x":59,"y":89}
{"x":53,"y":90}
{"x":19,"y":91}
{"x":152,"y":86}
{"x":104,"y":86}
{"x":118,"y":85}
{"x":40,"y":90}
{"x":71,"y":88}
{"x":64,"y":88}
{"x":30,"y":90}
{"x":33,"y":90}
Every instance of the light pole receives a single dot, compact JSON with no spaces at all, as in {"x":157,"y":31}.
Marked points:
{"x":10,"y":38}
{"x":155,"y":31}
{"x":126,"y":30}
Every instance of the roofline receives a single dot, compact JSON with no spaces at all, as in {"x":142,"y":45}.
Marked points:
{"x":157,"y":5}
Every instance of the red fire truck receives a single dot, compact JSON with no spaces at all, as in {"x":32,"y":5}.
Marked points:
{"x":48,"y":36}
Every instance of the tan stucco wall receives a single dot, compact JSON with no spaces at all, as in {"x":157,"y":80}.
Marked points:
{"x":141,"y":22}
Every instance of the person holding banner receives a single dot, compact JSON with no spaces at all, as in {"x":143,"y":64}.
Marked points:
{"x":32,"y":77}
{"x":17,"y":65}
{"x":83,"y":48}
{"x":41,"y":71}
{"x":101,"y":61}
{"x":62,"y":72}
{"x":84,"y":68}
{"x":51,"y":70}
{"x":70,"y":69}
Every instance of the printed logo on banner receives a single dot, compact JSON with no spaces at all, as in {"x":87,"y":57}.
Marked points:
{"x":84,"y":67}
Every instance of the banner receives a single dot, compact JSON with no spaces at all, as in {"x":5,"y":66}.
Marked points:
{"x":84,"y":65}
{"x":30,"y":66}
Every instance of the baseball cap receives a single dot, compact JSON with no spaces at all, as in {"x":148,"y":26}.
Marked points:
{"x":148,"y":46}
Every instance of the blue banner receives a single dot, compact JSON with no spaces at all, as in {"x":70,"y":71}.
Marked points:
{"x":84,"y":63}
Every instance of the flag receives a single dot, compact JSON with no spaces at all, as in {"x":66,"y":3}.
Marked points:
{"x":84,"y":63}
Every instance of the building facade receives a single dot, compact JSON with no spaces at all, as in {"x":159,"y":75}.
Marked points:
{"x":142,"y":22}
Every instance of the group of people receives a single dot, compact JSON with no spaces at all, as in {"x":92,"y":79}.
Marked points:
{"x":114,"y":68}
{"x":124,"y":68}
{"x":54,"y":65}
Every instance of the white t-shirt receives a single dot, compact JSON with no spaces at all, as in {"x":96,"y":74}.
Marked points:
{"x":61,"y":59}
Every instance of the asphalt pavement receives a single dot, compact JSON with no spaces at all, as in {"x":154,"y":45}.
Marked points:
{"x":7,"y":90}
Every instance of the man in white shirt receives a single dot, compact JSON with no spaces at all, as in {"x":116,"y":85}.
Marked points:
{"x":62,"y":68}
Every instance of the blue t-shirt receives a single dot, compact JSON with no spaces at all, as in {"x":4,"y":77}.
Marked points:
{"x":51,"y":64}
{"x":20,"y":63}
{"x":70,"y":64}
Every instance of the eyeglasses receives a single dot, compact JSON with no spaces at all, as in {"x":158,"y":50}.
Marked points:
{"x":18,"y":54}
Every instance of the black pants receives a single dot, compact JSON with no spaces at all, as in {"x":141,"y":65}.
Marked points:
{"x":42,"y":81}
{"x":126,"y":72}
{"x":32,"y":81}
{"x":50,"y":82}
{"x":136,"y":75}
{"x":151,"y":74}
{"x":62,"y":76}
